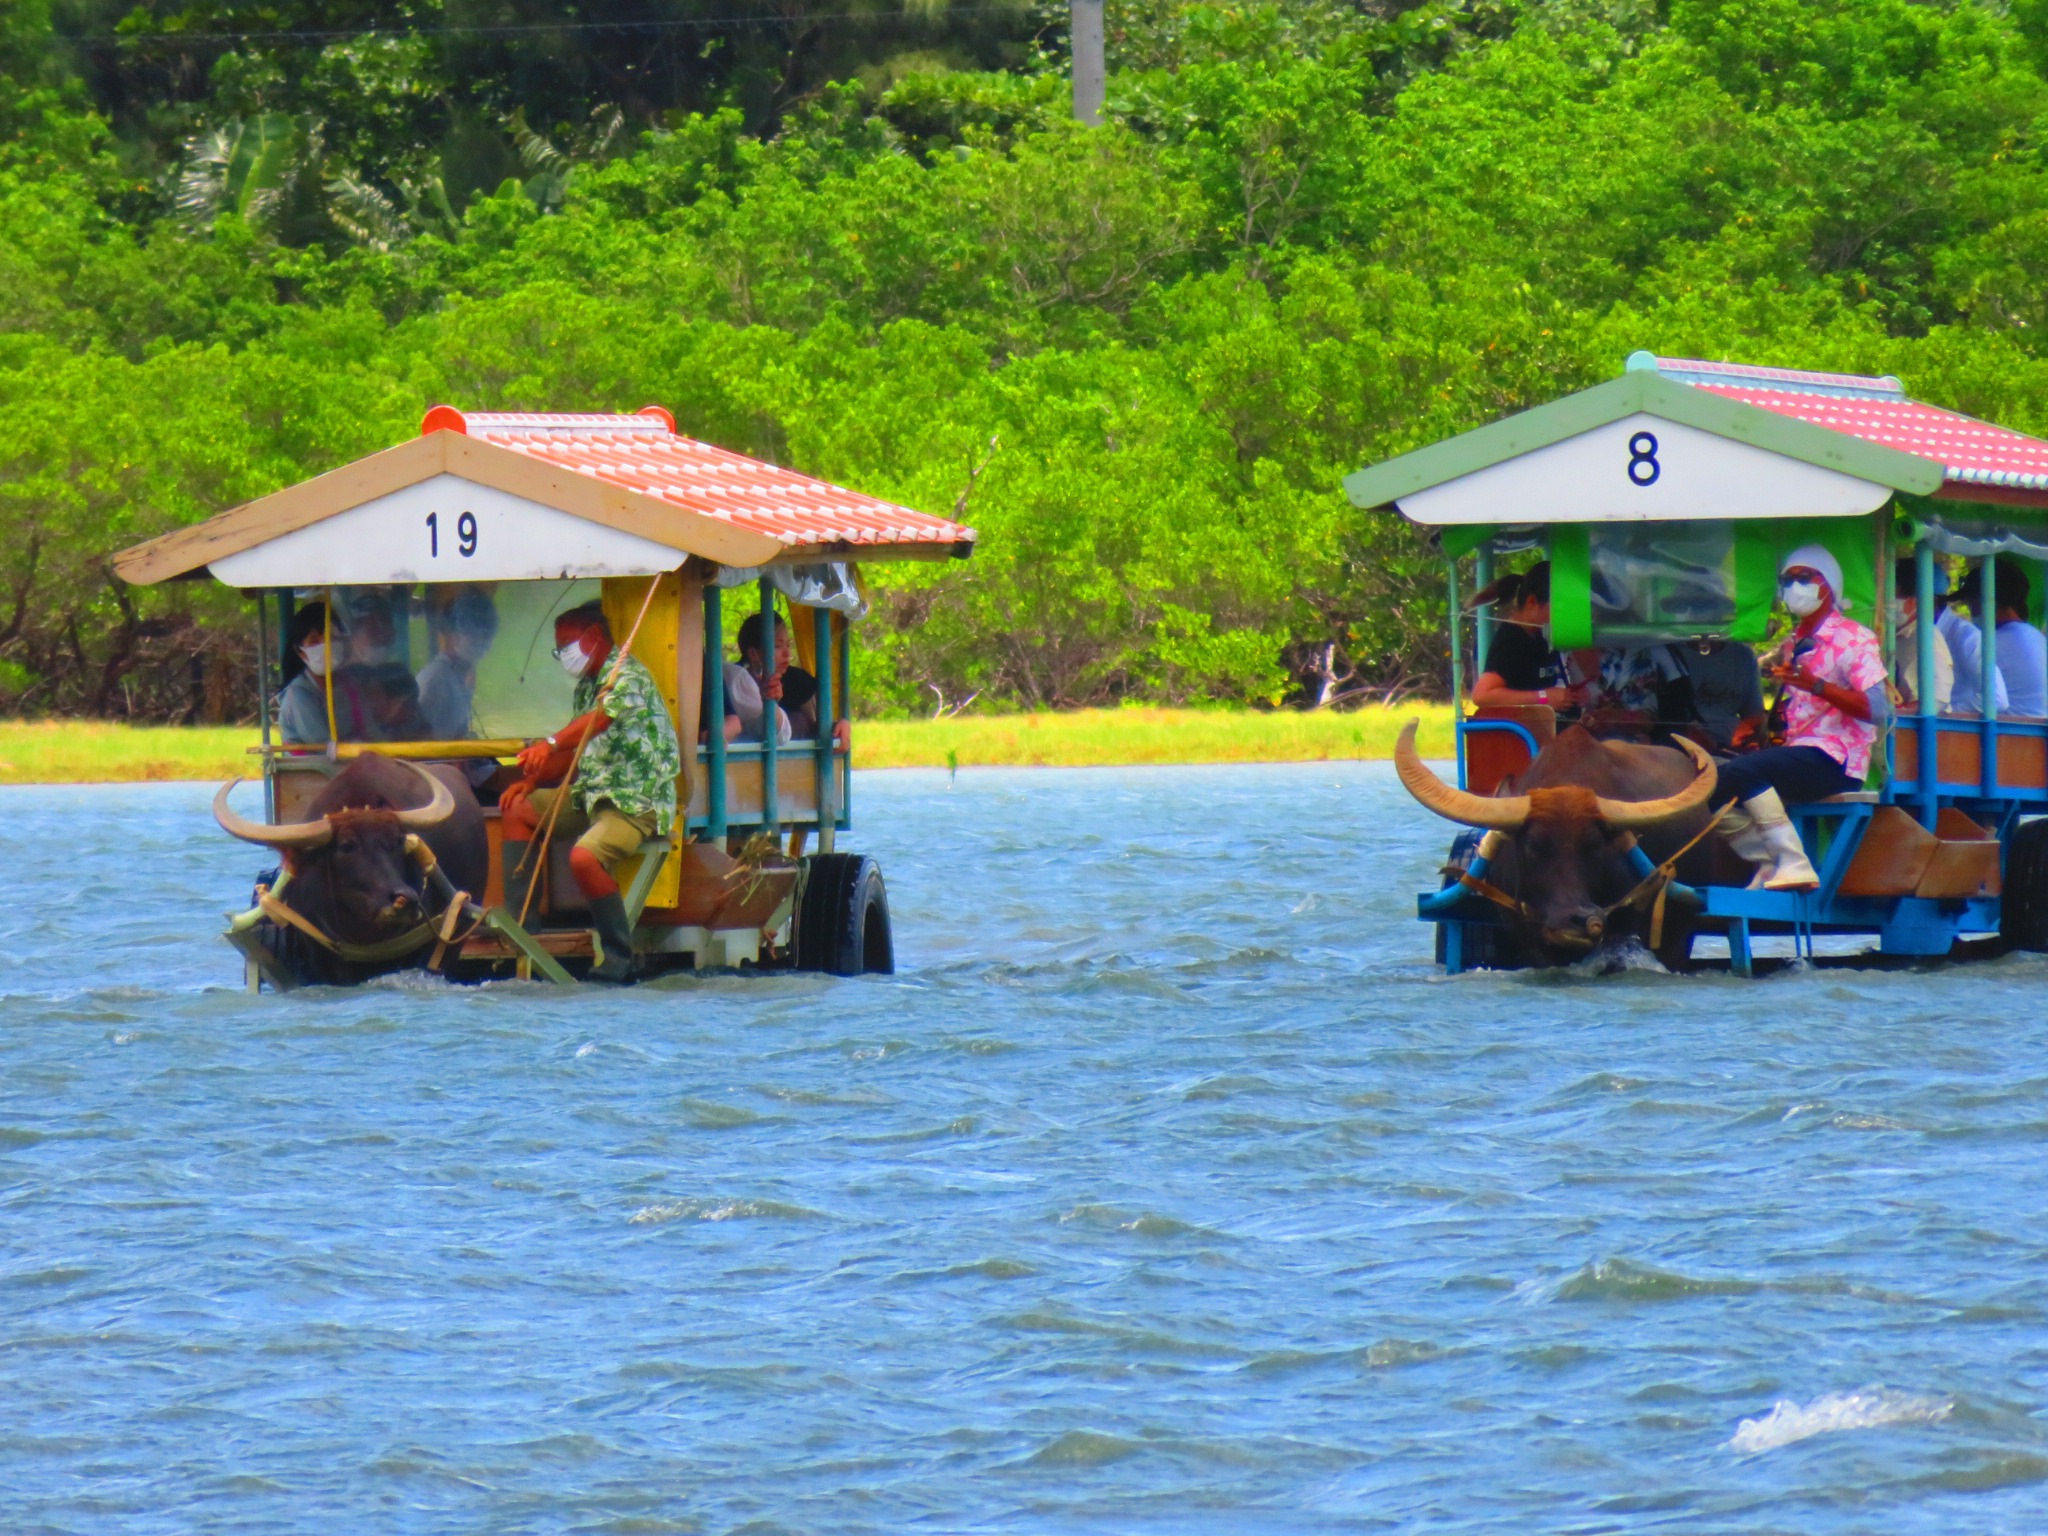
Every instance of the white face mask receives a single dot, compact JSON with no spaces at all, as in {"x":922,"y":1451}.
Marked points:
{"x":1900,"y":618}
{"x":573,"y":660}
{"x":1802,"y":598}
{"x":315,"y":657}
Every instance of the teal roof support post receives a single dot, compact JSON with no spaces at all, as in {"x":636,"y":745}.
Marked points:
{"x":263,"y":696}
{"x":1482,"y":622}
{"x":1923,"y":671}
{"x":1987,"y":668}
{"x":821,"y":651}
{"x":845,"y":664}
{"x":1457,"y":671}
{"x":714,"y":711}
{"x":771,"y":716}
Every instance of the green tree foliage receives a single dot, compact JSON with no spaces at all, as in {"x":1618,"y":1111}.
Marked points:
{"x":1138,"y":358}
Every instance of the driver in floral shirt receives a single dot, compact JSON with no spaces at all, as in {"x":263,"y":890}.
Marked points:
{"x":1836,"y":701}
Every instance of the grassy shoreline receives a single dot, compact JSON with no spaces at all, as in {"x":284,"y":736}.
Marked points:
{"x":103,"y":752}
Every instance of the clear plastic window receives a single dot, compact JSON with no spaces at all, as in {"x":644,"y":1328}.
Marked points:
{"x":446,"y":662}
{"x":1662,"y":581}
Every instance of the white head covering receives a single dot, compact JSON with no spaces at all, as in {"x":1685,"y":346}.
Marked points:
{"x":1814,"y":557}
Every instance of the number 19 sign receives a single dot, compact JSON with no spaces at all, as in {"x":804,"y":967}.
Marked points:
{"x":446,"y":528}
{"x":465,"y":535}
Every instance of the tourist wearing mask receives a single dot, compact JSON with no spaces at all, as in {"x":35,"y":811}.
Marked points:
{"x":1836,"y":700}
{"x":1906,"y":632}
{"x":302,"y":704}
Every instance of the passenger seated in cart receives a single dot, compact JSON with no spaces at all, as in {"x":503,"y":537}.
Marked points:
{"x":447,"y":683}
{"x":1906,"y":627}
{"x":624,"y":791}
{"x":1520,"y":667}
{"x":2022,"y":654}
{"x":1966,"y":650}
{"x":758,"y":675}
{"x":463,"y":637}
{"x":1835,"y":702}
{"x":1727,"y":691}
{"x":302,"y":703}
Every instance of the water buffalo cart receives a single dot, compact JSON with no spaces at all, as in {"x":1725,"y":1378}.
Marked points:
{"x":428,"y":584}
{"x":1664,"y":501}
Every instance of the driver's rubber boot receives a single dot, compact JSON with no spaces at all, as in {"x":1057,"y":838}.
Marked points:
{"x":615,"y":936}
{"x":1747,"y":839}
{"x":1791,"y":870}
{"x":518,"y":882}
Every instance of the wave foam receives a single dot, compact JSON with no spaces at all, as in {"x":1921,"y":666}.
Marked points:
{"x":1871,"y":1408}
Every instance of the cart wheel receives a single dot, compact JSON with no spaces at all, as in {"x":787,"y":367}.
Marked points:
{"x":843,"y":928}
{"x":2023,"y":914}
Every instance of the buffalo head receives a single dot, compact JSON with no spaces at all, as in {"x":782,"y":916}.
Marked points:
{"x":351,"y":872}
{"x":1561,"y":851}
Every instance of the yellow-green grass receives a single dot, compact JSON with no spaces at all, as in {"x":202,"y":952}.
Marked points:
{"x":102,"y":752}
{"x":93,"y":752}
{"x":1091,"y":738}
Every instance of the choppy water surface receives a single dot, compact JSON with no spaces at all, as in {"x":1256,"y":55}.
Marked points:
{"x":1167,"y":1188}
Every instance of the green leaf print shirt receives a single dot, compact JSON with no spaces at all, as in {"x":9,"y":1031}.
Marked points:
{"x":635,"y":761}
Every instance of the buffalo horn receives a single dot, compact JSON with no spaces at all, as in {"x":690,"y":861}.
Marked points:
{"x":435,"y":811}
{"x":1634,"y":815}
{"x":286,"y":834}
{"x":1502,"y":813}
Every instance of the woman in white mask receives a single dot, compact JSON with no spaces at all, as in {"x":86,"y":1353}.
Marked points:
{"x":1835,"y":703}
{"x":302,"y":705}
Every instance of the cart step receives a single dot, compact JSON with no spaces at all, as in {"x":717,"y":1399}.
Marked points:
{"x":565,"y":944}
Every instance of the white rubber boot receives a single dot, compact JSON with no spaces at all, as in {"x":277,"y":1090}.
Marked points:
{"x":1790,"y":869}
{"x":1747,"y":839}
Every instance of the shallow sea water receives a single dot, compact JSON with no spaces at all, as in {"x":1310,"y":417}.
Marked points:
{"x":1168,"y":1187}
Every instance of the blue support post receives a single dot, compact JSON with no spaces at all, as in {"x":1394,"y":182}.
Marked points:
{"x":771,"y":718}
{"x":1987,"y":669}
{"x":1923,"y":665}
{"x":714,"y":711}
{"x":828,"y":778}
{"x":1739,"y":958}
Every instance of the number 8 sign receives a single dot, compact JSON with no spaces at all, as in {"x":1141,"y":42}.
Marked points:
{"x":1643,"y":468}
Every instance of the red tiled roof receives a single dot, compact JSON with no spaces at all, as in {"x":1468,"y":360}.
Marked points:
{"x":1971,"y":452}
{"x":644,"y":453}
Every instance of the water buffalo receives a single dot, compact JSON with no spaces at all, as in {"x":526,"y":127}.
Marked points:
{"x":1559,"y":836}
{"x":349,"y":872}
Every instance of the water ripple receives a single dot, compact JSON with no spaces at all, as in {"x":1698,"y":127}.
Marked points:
{"x":1167,"y":1187}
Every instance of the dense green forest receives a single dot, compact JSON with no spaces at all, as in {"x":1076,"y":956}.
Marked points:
{"x":243,"y":242}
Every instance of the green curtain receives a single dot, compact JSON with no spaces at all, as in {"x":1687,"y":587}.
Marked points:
{"x":1760,"y":543}
{"x":1571,"y":587}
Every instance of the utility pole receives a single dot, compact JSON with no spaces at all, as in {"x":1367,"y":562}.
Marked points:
{"x":1086,"y":30}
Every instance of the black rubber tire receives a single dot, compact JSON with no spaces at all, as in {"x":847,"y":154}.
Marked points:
{"x":2023,"y":913}
{"x":843,"y":927}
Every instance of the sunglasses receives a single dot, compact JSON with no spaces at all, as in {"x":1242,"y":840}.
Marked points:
{"x":1797,"y":574}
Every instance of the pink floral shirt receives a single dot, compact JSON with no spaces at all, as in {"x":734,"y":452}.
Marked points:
{"x":1845,"y":653}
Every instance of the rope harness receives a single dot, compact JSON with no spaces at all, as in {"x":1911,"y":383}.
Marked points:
{"x":1655,"y":886}
{"x":455,"y":905}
